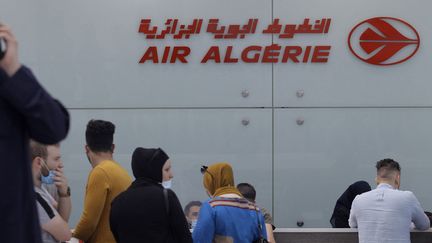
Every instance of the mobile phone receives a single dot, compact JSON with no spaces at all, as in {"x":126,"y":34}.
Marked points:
{"x":3,"y":48}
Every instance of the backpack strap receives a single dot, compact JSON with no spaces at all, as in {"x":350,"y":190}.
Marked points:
{"x":261,"y":238}
{"x":165,"y":191}
{"x":45,"y":206}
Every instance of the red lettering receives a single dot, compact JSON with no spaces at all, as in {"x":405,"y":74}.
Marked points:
{"x":212,"y":53}
{"x":180,"y":53}
{"x":321,"y":54}
{"x":288,"y":54}
{"x":166,"y":54}
{"x":306,"y":54}
{"x":245,"y":58}
{"x":271,"y":53}
{"x":250,"y":54}
{"x":228,"y":58}
{"x":150,"y":54}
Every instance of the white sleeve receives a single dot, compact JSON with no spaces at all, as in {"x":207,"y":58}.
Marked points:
{"x":419,"y":218}
{"x":352,"y":221}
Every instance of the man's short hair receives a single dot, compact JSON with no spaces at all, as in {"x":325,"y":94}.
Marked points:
{"x":190,"y":205}
{"x":386,"y":168}
{"x":38,"y":150}
{"x":99,"y":135}
{"x":247,"y":190}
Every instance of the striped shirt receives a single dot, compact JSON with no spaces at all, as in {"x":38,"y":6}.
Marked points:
{"x":228,"y":220}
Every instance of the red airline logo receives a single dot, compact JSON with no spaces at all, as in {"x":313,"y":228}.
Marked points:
{"x":384,"y":41}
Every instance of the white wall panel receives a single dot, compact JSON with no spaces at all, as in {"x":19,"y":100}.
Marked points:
{"x":346,"y":80}
{"x":87,"y":53}
{"x":315,"y":162}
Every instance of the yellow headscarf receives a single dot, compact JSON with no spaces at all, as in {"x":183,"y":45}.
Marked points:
{"x":219,"y":180}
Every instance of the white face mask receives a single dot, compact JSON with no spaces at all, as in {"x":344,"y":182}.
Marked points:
{"x":167,"y":184}
{"x":193,"y":224}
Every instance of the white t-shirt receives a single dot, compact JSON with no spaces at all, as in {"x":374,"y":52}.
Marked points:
{"x":46,"y":212}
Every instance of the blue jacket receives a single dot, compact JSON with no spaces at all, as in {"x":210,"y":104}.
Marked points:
{"x":234,"y":218}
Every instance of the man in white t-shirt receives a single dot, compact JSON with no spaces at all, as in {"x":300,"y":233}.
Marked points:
{"x":385,"y":214}
{"x":53,"y":212}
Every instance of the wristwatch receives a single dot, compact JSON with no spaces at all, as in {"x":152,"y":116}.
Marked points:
{"x":68,"y":193}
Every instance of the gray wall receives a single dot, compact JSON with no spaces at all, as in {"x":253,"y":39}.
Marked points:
{"x":86,"y":53}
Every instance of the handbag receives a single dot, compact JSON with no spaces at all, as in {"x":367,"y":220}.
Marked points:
{"x":261,"y":238}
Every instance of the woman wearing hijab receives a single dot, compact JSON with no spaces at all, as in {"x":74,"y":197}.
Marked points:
{"x":342,"y":209}
{"x":146,"y":212}
{"x":226,"y":216}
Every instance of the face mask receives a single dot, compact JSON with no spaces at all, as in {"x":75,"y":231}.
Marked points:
{"x":167,"y":184}
{"x":48,"y":179}
{"x":194,"y":223}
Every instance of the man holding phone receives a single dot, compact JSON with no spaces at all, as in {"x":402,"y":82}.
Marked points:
{"x":26,"y":111}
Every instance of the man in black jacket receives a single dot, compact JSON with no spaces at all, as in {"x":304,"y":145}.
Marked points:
{"x":26,"y":111}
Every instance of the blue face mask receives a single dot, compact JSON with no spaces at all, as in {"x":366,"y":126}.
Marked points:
{"x":48,"y":179}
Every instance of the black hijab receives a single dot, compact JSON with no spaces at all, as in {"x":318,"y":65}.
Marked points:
{"x":147,"y":163}
{"x":342,"y":209}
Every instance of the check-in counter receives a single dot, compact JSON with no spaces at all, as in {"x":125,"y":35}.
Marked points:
{"x":329,"y":235}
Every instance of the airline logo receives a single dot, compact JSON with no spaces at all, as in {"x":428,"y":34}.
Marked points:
{"x":384,"y":41}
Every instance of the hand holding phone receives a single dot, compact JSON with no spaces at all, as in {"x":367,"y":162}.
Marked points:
{"x":9,"y":50}
{"x":3,"y":48}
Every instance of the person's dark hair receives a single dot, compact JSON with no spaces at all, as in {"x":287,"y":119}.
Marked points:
{"x":148,"y":163}
{"x":247,"y":190}
{"x":99,"y":135}
{"x":191,"y":204}
{"x":387,"y":167}
{"x":341,"y":212}
{"x":429,"y":215}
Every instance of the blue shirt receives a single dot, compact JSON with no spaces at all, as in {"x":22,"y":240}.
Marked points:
{"x":384,"y":215}
{"x":228,"y":220}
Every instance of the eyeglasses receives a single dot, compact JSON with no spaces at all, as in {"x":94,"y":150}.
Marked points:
{"x":194,"y":214}
{"x":204,"y":169}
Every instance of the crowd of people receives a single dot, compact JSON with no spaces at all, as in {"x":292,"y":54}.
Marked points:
{"x":118,"y":208}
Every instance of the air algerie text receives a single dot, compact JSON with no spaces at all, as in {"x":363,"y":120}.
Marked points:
{"x":251,"y":54}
